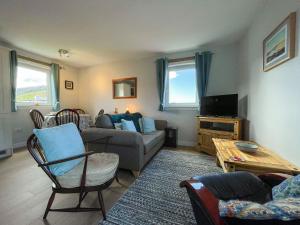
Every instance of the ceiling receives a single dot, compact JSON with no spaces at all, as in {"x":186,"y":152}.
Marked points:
{"x":99,"y":31}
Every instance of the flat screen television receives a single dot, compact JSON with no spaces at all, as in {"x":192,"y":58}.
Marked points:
{"x":219,"y":105}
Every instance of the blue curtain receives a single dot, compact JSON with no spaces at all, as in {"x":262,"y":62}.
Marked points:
{"x":202,"y":64}
{"x":13,"y":78}
{"x":161,"y":70}
{"x":55,"y":86}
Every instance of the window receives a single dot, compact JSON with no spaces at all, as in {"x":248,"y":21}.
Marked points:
{"x":181,"y":88}
{"x":33,"y":84}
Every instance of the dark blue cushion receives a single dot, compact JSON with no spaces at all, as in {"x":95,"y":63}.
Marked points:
{"x":116,"y":118}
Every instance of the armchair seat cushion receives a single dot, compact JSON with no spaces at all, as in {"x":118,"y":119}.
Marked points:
{"x":101,"y":168}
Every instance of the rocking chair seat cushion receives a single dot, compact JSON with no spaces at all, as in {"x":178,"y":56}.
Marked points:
{"x":101,"y":167}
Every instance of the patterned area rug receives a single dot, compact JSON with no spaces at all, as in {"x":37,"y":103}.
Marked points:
{"x":155,"y":197}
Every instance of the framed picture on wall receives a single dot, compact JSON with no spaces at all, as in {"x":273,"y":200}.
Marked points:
{"x":279,"y":45}
{"x":69,"y":85}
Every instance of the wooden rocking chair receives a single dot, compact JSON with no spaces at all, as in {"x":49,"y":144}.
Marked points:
{"x":67,"y":116}
{"x":37,"y":118}
{"x":83,"y":189}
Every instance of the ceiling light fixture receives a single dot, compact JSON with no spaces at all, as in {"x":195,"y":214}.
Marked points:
{"x":64,"y":53}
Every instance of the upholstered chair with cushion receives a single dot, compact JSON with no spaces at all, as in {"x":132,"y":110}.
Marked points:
{"x":241,"y":198}
{"x":60,"y":152}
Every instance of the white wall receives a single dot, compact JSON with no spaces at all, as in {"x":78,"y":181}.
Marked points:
{"x":21,"y":123}
{"x":273,"y":97}
{"x":95,"y":90}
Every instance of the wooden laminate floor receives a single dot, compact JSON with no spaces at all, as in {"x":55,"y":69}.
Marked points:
{"x":25,"y":189}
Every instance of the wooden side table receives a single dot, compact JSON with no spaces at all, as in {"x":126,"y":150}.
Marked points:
{"x":171,"y":137}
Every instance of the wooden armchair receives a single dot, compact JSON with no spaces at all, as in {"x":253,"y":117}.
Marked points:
{"x":37,"y":118}
{"x":205,"y":192}
{"x":67,"y":116}
{"x":95,"y":173}
{"x":79,"y":111}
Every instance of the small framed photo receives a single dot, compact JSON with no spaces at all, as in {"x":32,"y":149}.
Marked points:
{"x":69,"y":85}
{"x":279,"y":46}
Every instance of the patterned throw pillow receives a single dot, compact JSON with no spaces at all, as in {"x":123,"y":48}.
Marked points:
{"x":282,"y":209}
{"x":290,"y":188}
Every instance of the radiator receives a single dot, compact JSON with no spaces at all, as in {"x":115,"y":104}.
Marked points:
{"x":5,"y":153}
{"x":5,"y":136}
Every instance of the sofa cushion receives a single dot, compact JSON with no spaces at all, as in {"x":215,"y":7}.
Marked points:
{"x":148,"y":125}
{"x":290,"y":188}
{"x":101,"y":167}
{"x":118,"y":137}
{"x":152,"y":139}
{"x":118,"y":126}
{"x":104,"y":121}
{"x":128,"y":125}
{"x":61,"y":142}
{"x":282,"y":209}
{"x":116,"y":118}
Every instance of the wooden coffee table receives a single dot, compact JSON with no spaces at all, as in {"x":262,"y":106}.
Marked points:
{"x":263,"y":161}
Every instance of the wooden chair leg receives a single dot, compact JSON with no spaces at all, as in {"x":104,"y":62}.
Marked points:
{"x":50,"y":201}
{"x":81,"y":197}
{"x":100,"y":198}
{"x":117,"y":177}
{"x":135,"y":173}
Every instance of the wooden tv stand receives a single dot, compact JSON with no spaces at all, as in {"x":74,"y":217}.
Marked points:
{"x":216,"y":127}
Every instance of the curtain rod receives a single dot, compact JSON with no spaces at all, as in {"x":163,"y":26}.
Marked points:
{"x":34,"y":60}
{"x":181,"y":59}
{"x":37,"y":61}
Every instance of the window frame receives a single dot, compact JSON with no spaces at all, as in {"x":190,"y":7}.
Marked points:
{"x":37,"y":67}
{"x":180,"y":65}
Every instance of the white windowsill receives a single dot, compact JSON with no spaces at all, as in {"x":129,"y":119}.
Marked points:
{"x":180,"y":108}
{"x":33,"y":105}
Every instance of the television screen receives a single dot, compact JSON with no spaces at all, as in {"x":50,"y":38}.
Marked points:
{"x":219,"y":105}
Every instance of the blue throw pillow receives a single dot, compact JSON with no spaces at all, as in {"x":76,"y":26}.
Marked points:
{"x":290,"y":188}
{"x":128,"y":125}
{"x":61,"y":142}
{"x":148,"y":125}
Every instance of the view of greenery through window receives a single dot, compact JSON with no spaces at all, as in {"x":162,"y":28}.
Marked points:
{"x":32,"y":86}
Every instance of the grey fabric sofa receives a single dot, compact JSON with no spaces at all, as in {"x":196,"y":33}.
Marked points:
{"x":134,"y":149}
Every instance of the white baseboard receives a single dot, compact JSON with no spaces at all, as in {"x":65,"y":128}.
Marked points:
{"x":186,"y":143}
{"x":19,"y":144}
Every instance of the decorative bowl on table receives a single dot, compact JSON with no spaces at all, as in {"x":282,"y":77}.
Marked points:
{"x":246,"y":146}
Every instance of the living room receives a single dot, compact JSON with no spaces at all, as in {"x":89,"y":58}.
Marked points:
{"x":92,"y":46}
